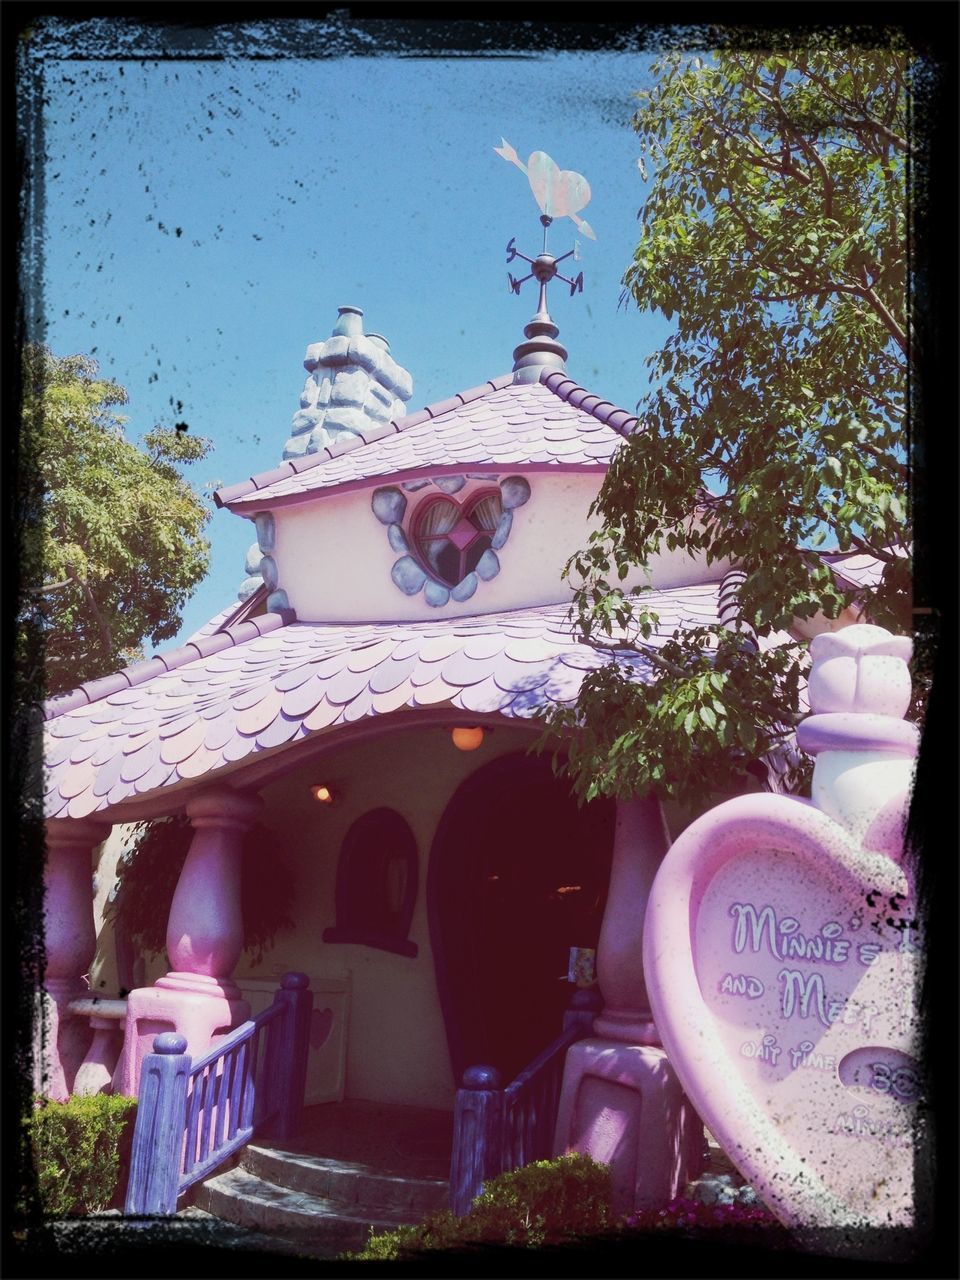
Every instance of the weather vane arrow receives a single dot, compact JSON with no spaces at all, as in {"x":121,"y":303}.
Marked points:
{"x":560,"y":193}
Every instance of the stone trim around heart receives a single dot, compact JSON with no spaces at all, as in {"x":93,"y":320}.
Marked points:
{"x":390,"y":506}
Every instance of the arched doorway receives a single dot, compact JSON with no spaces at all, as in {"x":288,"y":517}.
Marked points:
{"x":518,"y":875}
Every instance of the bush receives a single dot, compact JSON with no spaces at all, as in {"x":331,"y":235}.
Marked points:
{"x":78,"y":1151}
{"x":546,"y":1203}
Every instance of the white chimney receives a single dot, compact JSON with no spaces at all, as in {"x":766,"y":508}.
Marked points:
{"x":353,"y":384}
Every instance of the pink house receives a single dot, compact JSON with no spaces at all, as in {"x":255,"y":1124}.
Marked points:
{"x":370,"y":701}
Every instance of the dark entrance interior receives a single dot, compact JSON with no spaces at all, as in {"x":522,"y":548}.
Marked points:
{"x":518,"y":875}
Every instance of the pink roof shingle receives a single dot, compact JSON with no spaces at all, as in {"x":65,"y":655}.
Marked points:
{"x":859,"y":569}
{"x":551,"y":423}
{"x":300,"y":679}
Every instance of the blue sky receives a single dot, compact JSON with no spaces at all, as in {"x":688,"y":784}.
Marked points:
{"x":204,"y":220}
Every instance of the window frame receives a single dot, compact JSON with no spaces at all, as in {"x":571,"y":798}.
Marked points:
{"x":355,"y":922}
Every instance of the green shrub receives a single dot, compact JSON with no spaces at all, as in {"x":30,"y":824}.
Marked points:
{"x":545,"y":1203}
{"x":78,"y":1151}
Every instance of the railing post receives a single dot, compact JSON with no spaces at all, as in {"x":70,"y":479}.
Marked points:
{"x":294,"y":1036}
{"x":585,"y":1004}
{"x":158,"y":1133}
{"x":477,"y":1136}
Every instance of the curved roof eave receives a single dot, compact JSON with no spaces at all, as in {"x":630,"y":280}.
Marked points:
{"x":194,"y":716}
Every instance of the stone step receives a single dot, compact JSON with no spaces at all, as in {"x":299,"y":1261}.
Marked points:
{"x":350,"y":1182}
{"x":205,"y":1229}
{"x":240,"y":1197}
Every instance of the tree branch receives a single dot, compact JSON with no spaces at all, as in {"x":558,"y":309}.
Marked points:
{"x":725,"y":130}
{"x":810,"y":286}
{"x":788,"y":127}
{"x":778,"y":166}
{"x":897,"y":467}
{"x":866,"y":121}
{"x":878,"y":553}
{"x":876,"y":126}
{"x":641,"y":651}
{"x":751,"y":229}
{"x":813,"y":155}
{"x":784,"y":297}
{"x":106,"y":636}
{"x":893,"y":327}
{"x":882,"y":402}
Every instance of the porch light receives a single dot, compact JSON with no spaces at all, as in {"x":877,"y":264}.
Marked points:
{"x":467,"y":739}
{"x":322,"y":793}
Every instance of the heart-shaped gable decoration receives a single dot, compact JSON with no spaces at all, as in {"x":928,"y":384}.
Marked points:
{"x":558,"y":192}
{"x":780,"y":963}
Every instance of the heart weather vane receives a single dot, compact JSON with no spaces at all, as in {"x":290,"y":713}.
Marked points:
{"x":559,"y":194}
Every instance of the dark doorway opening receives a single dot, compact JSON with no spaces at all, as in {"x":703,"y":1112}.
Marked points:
{"x":518,"y":875}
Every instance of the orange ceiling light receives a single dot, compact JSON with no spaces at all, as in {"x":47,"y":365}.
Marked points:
{"x":467,"y":738}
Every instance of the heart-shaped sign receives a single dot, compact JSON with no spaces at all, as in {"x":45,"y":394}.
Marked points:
{"x":780,"y":961}
{"x":321,"y":1024}
{"x":558,"y":192}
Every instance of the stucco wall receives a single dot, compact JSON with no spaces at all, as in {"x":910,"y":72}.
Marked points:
{"x":334,"y":559}
{"x":396,"y":1047}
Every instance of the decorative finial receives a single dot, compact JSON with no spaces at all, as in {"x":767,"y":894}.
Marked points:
{"x":559,"y":193}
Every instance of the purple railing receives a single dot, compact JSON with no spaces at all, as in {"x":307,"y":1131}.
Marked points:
{"x":497,"y":1129}
{"x":192,"y":1116}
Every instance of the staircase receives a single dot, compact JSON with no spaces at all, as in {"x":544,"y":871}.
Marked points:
{"x":314,"y":1199}
{"x":382,"y":1167}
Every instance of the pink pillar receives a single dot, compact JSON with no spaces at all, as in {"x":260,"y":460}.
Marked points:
{"x":197,"y":998}
{"x":106,"y":1019}
{"x":70,"y":941}
{"x":205,"y":929}
{"x":639,"y":843}
{"x":620,"y":1100}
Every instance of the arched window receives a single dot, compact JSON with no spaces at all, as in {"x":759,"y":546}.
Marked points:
{"x":376,"y":884}
{"x":450,"y":540}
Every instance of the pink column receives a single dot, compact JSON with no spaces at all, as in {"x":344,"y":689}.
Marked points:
{"x":106,"y":1019}
{"x":620,"y":1100}
{"x":197,"y":998}
{"x":205,"y":929}
{"x":70,"y":942}
{"x":639,"y":843}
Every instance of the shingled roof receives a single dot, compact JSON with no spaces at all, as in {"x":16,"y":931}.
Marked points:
{"x":550,"y":424}
{"x":858,"y":569}
{"x":222,"y":699}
